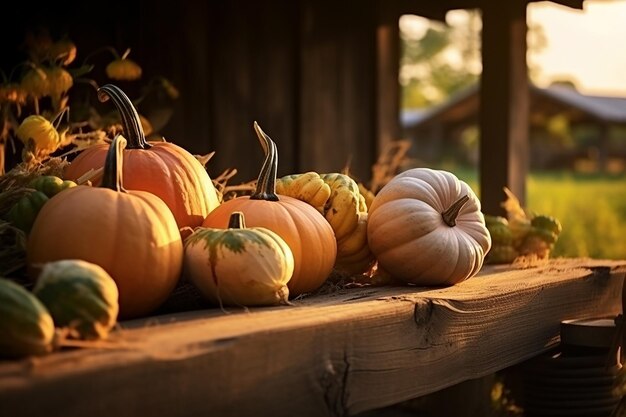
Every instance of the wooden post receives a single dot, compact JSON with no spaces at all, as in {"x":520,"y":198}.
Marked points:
{"x":388,"y":87}
{"x":503,"y":104}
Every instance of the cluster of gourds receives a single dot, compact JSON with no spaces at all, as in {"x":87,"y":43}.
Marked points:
{"x":521,"y":235}
{"x":77,"y":297}
{"x":153,"y":215}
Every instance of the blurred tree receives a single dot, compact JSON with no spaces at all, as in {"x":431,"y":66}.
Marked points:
{"x":439,"y":59}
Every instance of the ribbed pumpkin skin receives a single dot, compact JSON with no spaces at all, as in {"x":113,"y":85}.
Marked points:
{"x":409,"y":237}
{"x":308,"y":234}
{"x":165,"y":170}
{"x":133,"y":236}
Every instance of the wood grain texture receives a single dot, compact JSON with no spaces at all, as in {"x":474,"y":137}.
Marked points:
{"x":328,"y":355}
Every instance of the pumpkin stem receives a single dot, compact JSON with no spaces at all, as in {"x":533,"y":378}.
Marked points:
{"x":113,"y":165}
{"x":449,"y":216}
{"x":236,"y":221}
{"x":130,"y":118}
{"x":266,"y":183}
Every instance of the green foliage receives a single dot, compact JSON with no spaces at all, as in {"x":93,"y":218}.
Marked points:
{"x":428,"y":73}
{"x":591,"y":208}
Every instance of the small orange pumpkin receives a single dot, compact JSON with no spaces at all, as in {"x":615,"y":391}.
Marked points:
{"x":161,"y":168}
{"x":306,"y":231}
{"x":131,"y":235}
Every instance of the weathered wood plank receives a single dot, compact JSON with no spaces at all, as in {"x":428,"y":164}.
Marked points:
{"x":329,"y":355}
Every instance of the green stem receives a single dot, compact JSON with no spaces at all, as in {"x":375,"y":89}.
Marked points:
{"x":266,"y":183}
{"x":236,"y":221}
{"x":449,"y":216}
{"x":112,"y":177}
{"x":131,"y":123}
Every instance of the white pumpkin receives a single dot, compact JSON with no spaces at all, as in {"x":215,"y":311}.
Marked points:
{"x":425,"y":227}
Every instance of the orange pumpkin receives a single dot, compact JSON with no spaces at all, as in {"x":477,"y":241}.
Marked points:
{"x":131,"y":235}
{"x":306,"y":231}
{"x":161,"y":168}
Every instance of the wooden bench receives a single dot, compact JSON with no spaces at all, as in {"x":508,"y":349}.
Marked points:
{"x":327,"y":355}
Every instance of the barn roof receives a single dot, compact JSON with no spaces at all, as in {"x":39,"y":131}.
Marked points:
{"x":464,"y":106}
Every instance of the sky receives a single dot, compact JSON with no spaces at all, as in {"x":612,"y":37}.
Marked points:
{"x":586,"y":46}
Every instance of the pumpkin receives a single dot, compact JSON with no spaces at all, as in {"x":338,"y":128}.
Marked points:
{"x":425,"y":227}
{"x":239,"y":265}
{"x":337,"y":197}
{"x":80,"y":296}
{"x":132,"y":235}
{"x":161,"y":168}
{"x":26,"y":327}
{"x":308,"y":234}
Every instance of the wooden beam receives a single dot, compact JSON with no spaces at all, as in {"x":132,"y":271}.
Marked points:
{"x":328,"y":355}
{"x":503,"y":104}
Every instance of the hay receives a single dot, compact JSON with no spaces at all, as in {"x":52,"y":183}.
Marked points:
{"x":24,"y":173}
{"x":13,"y":186}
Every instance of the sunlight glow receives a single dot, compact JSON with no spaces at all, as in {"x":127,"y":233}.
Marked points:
{"x":586,"y":46}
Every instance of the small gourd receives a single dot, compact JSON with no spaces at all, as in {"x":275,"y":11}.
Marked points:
{"x":81,"y":297}
{"x":26,"y":327}
{"x":39,"y":133}
{"x":337,"y":197}
{"x":239,"y":265}
{"x":24,"y":212}
{"x":425,"y":227}
{"x":50,"y":185}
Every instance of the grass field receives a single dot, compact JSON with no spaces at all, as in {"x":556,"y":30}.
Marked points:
{"x":591,"y":208}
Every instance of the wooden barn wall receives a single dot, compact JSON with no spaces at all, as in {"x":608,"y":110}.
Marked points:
{"x":306,"y":71}
{"x":338,"y":102}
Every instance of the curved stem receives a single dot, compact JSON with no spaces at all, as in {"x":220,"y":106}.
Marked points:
{"x":266,"y":183}
{"x":130,"y":118}
{"x":113,"y":51}
{"x":114,"y":165}
{"x":449,"y":216}
{"x":236,"y":221}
